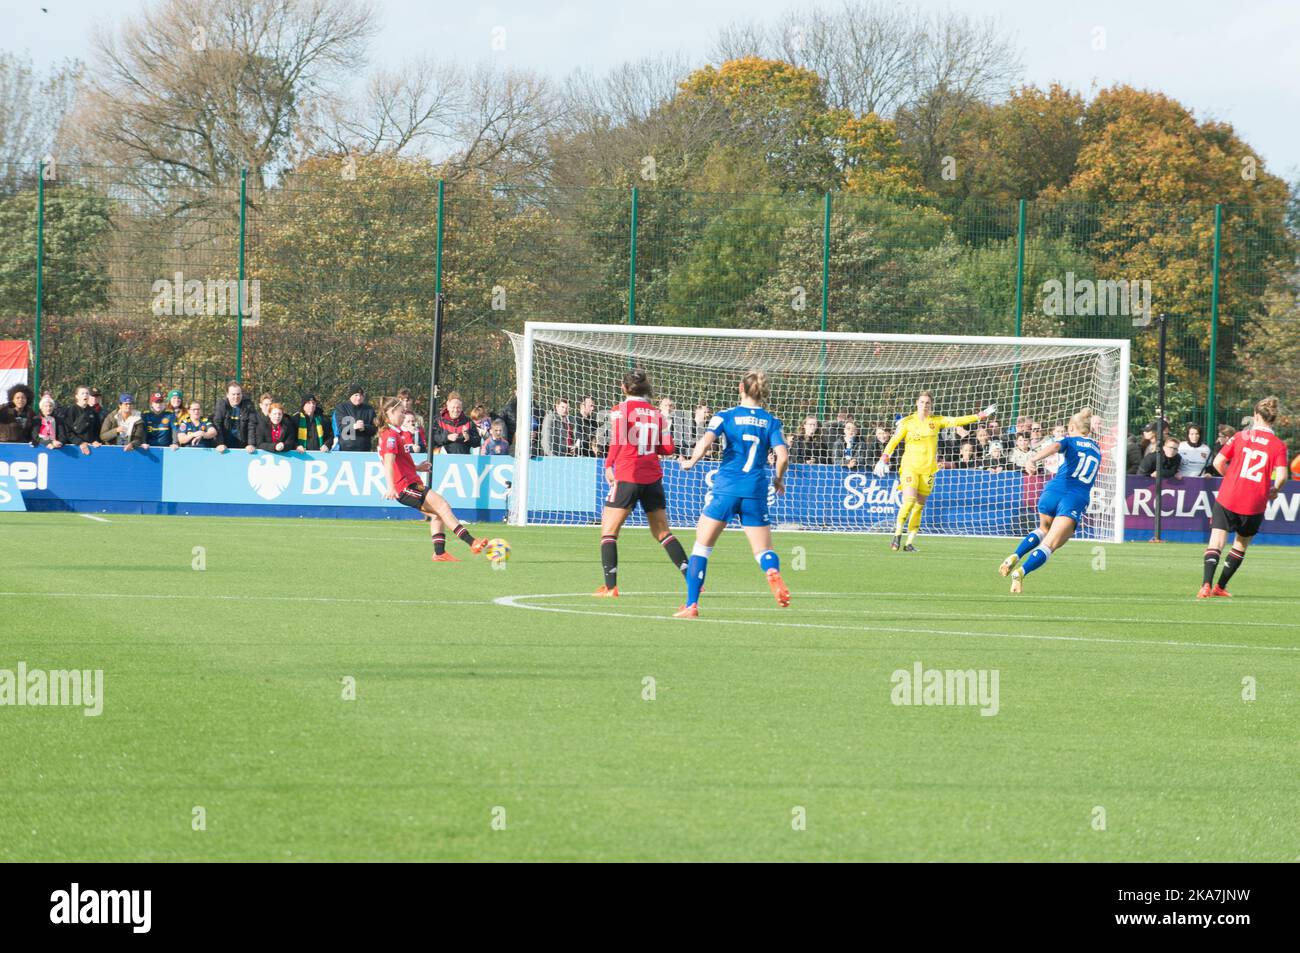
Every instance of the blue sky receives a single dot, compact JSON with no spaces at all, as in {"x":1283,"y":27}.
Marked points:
{"x":1234,"y":61}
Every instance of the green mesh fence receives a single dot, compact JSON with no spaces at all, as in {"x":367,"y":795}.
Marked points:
{"x":140,"y":283}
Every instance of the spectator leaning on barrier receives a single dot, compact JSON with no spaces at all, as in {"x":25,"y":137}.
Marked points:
{"x":807,"y":446}
{"x":995,"y":462}
{"x":83,"y":421}
{"x":18,"y":415}
{"x":585,"y":425}
{"x":1053,"y":463}
{"x":674,"y":420}
{"x":556,"y":438}
{"x":311,"y":427}
{"x":263,"y":411}
{"x":1226,"y":433}
{"x":411,"y":433}
{"x":851,"y":449}
{"x":1193,"y":453}
{"x":159,"y":423}
{"x":49,"y":428}
{"x":195,"y":430}
{"x":276,"y":432}
{"x":234,"y":419}
{"x":1021,"y":453}
{"x":482,"y":421}
{"x":876,"y":445}
{"x":124,"y":427}
{"x":509,"y":414}
{"x":354,"y":421}
{"x":966,"y":457}
{"x":453,"y":431}
{"x":700,"y":423}
{"x":408,"y":406}
{"x":1169,"y":461}
{"x":496,"y":444}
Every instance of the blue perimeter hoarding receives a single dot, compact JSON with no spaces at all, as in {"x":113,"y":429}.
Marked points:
{"x":348,"y":485}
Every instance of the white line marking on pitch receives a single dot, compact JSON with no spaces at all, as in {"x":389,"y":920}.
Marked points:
{"x":91,"y":516}
{"x":948,"y":616}
{"x":377,"y":600}
{"x":513,"y":602}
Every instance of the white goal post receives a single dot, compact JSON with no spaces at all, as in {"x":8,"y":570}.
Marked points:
{"x":844,"y":382}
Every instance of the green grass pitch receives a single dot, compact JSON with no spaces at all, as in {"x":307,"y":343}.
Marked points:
{"x":512,"y":699}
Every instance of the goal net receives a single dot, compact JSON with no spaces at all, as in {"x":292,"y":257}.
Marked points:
{"x":837,"y":395}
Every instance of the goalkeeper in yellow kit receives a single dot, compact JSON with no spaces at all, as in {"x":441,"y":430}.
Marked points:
{"x":920,"y":462}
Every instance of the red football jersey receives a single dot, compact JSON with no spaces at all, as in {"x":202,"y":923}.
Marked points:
{"x":637,"y":436}
{"x":413,"y":440}
{"x":391,"y":442}
{"x":1253,"y":457}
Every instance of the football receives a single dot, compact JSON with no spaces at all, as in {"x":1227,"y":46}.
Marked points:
{"x":498,"y":550}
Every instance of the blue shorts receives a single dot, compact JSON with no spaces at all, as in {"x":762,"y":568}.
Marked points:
{"x":1055,"y":502}
{"x":753,"y":512}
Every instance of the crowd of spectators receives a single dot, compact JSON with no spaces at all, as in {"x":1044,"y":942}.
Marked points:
{"x":237,"y":423}
{"x":1188,"y":455}
{"x":565,"y":429}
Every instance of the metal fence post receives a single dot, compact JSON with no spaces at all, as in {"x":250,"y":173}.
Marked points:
{"x":243,"y":224}
{"x":1020,"y":306}
{"x":40,"y":276}
{"x":1210,"y":409}
{"x":631,"y":268}
{"x":826,"y":300}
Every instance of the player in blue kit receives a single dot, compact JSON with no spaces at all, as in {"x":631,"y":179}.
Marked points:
{"x":739,"y":488}
{"x":1063,"y":501}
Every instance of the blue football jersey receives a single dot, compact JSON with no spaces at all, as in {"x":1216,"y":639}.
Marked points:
{"x":1079,"y":469}
{"x":750,"y":432}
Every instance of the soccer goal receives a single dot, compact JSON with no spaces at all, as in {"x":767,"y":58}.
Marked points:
{"x":847,"y":383}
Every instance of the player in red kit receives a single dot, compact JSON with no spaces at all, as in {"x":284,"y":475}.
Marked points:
{"x":1253,"y":464}
{"x":638,"y":436}
{"x":405,"y":485}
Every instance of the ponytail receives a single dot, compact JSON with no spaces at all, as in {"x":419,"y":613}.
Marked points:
{"x":756,"y":386}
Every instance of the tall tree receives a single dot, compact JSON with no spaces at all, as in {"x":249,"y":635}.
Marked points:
{"x":191,"y":91}
{"x":32,"y":107}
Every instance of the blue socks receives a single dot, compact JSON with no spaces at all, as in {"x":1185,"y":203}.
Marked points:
{"x":1026,"y":544}
{"x":696,"y":567}
{"x":1035,"y":560}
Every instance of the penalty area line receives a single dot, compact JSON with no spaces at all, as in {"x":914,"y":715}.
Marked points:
{"x":515,"y":602}
{"x":91,"y":516}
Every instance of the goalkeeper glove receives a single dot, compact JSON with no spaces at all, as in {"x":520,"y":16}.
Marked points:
{"x":881,"y":467}
{"x":990,"y":410}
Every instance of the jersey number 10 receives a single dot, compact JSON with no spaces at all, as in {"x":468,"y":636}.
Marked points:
{"x":1086,"y":469}
{"x":647,"y":437}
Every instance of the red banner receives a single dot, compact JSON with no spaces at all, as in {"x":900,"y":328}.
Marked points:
{"x":13,"y":364}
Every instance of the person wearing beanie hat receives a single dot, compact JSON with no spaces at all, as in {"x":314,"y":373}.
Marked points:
{"x":176,"y":403}
{"x":311,"y":426}
{"x":354,"y":421}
